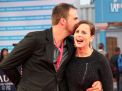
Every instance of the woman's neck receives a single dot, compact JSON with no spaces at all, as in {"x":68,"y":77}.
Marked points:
{"x":84,"y":52}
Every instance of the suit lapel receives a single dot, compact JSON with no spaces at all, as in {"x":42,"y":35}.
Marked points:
{"x":70,"y":52}
{"x":49,"y":46}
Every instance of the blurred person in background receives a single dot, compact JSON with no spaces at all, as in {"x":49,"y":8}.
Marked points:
{"x":5,"y":83}
{"x":101,"y":49}
{"x":3,"y":54}
{"x":114,"y":66}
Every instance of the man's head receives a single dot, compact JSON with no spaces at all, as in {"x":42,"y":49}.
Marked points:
{"x":64,"y":15}
{"x":61,"y":11}
{"x":117,"y":50}
{"x":101,"y":46}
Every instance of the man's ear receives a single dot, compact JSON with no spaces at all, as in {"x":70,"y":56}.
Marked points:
{"x":62,"y":21}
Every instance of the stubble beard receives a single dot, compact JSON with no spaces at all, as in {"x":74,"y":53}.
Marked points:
{"x":69,"y":30}
{"x":73,"y":30}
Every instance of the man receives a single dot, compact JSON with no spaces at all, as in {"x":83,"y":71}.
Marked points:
{"x":40,"y":54}
{"x":115,"y":68}
{"x":101,"y":49}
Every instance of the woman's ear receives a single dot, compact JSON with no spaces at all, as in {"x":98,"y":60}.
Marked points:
{"x":92,"y":38}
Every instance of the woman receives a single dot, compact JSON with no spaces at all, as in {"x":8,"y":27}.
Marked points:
{"x":3,"y":54}
{"x":87,"y":65}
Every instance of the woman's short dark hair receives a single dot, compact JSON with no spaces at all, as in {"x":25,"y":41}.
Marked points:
{"x":91,"y":25}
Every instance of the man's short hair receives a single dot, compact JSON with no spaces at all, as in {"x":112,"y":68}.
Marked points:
{"x":101,"y":46}
{"x":60,"y":11}
{"x":117,"y":49}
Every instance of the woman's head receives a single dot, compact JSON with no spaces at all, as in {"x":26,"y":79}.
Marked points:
{"x":4,"y":52}
{"x":84,"y":34}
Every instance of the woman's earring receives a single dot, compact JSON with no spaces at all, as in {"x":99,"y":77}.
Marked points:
{"x":90,"y":45}
{"x":74,"y":45}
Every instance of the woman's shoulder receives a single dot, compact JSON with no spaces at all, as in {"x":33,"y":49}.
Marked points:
{"x":100,"y":57}
{"x":101,"y":60}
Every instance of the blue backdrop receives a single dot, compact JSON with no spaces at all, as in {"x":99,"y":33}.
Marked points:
{"x":108,"y":11}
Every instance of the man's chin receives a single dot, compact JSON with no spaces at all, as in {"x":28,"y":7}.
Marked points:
{"x":72,"y":33}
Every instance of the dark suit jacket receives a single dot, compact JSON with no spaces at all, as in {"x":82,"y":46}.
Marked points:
{"x":35,"y":53}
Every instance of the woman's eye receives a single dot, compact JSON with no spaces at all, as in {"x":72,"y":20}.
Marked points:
{"x":77,"y":31}
{"x":84,"y":32}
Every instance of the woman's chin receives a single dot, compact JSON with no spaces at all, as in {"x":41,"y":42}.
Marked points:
{"x":79,"y":46}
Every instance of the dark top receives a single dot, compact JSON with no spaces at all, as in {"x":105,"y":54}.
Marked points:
{"x":114,"y":66}
{"x":83,"y":71}
{"x":113,"y":60}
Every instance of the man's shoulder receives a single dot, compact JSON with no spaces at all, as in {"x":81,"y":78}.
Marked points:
{"x":70,"y":39}
{"x":70,"y":42}
{"x":37,"y":33}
